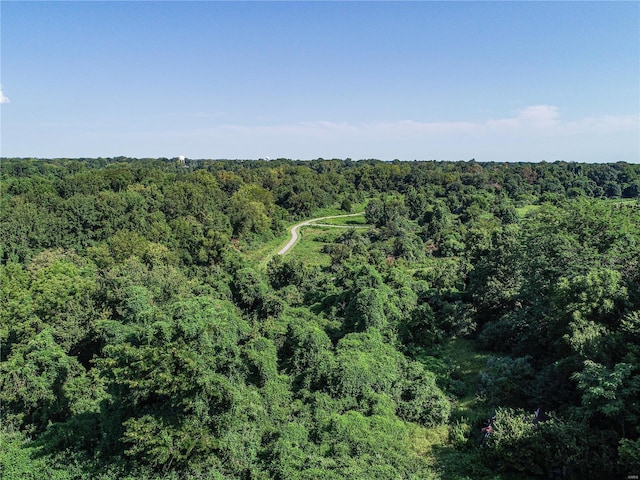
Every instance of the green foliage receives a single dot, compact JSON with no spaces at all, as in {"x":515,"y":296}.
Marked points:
{"x":629,"y":452}
{"x":387,"y":212}
{"x":250,"y":210}
{"x":346,"y":205}
{"x":62,"y":294}
{"x":496,"y":277}
{"x":148,"y":330}
{"x":311,"y":359}
{"x":519,"y":445}
{"x":357,"y":440}
{"x":365,"y":364}
{"x":367,"y":310}
{"x":422,"y":401}
{"x":544,"y":449}
{"x":249,"y":288}
{"x":15,"y":305}
{"x":506,"y":380}
{"x":20,"y":461}
{"x":42,"y":384}
{"x":599,"y":295}
{"x":421,"y":327}
{"x":176,"y":381}
{"x":610,"y":392}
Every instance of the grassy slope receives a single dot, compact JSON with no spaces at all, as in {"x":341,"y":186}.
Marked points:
{"x":312,"y":239}
{"x":309,"y":246}
{"x":469,"y":363}
{"x":451,"y":449}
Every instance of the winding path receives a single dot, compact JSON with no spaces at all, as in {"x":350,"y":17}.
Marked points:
{"x":294,"y":229}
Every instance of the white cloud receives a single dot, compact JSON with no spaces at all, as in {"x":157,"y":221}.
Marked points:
{"x":533,"y":133}
{"x":539,"y":116}
{"x":530,"y":121}
{"x":3,"y":99}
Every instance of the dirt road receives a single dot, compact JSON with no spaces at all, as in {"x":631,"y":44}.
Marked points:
{"x":294,"y":229}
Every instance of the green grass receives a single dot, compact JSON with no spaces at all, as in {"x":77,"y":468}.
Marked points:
{"x":312,"y":240}
{"x":346,"y":221}
{"x":422,"y":440}
{"x":526,"y":210}
{"x":335,"y":210}
{"x":314,"y":237}
{"x":469,"y":362}
{"x":264,"y":252}
{"x":449,"y":450}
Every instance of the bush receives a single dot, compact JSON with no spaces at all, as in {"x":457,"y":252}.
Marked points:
{"x":507,"y":380}
{"x":554,"y":447}
{"x":629,"y":456}
{"x":459,"y":432}
{"x":422,"y":401}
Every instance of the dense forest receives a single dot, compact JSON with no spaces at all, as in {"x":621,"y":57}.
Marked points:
{"x":150,"y":330}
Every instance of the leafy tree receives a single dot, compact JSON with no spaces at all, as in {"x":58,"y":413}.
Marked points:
{"x":24,"y":229}
{"x":309,"y":355}
{"x":195,"y":194}
{"x":15,"y":306}
{"x":548,"y":448}
{"x":249,"y":288}
{"x":629,"y":452}
{"x":250,"y":210}
{"x":124,"y":357}
{"x":176,"y":382}
{"x":610,"y":392}
{"x":386,"y":211}
{"x":63,"y":297}
{"x":346,"y":206}
{"x":422,"y":401}
{"x":365,"y":365}
{"x":420,"y":328}
{"x":355,"y":441}
{"x":495,"y":280}
{"x":41,"y":384}
{"x":417,"y":203}
{"x":20,"y":460}
{"x":367,"y":310}
{"x":507,"y":380}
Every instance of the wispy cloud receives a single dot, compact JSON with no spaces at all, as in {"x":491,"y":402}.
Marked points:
{"x":546,"y":119}
{"x":531,"y":121}
{"x":540,"y":131}
{"x":3,"y":99}
{"x":533,"y":133}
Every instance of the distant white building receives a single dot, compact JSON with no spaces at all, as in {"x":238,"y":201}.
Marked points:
{"x":181,"y":159}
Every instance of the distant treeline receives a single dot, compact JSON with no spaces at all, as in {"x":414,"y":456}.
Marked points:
{"x":71,"y":203}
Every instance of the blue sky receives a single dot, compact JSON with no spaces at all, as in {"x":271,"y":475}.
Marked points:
{"x":494,"y":81}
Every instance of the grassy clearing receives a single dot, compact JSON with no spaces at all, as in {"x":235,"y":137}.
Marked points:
{"x":312,"y":240}
{"x":526,"y":210}
{"x":264,"y":252}
{"x":336,"y":210}
{"x":469,"y":363}
{"x":423,"y":440}
{"x":449,"y":450}
{"x":359,"y":220}
{"x":465,"y":355}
